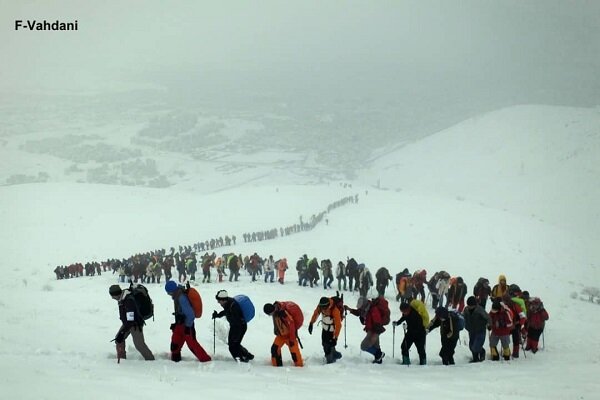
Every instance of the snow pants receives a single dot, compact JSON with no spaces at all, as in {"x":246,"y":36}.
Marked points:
{"x":278,"y":343}
{"x":137,"y":334}
{"x":179,"y":337}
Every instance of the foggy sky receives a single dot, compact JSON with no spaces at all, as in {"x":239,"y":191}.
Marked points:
{"x":376,"y":48}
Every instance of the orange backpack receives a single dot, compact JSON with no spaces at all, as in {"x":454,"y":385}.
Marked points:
{"x":195,"y":300}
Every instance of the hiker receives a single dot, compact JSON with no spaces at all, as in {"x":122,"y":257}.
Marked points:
{"x":282,"y":266}
{"x":331,"y":322}
{"x":457,"y":293}
{"x":448,"y":323}
{"x":419,"y":280}
{"x":382,"y":279}
{"x":417,"y":319}
{"x":327,"y":270}
{"x":365,"y":280}
{"x":536,"y":321}
{"x":476,"y":323}
{"x":183,"y":328}
{"x":132,"y":323}
{"x":433,"y":290}
{"x":340,"y":274}
{"x":501,"y":326}
{"x":373,"y":318}
{"x":237,"y":326}
{"x":512,"y":300}
{"x":352,"y":273}
{"x":482,"y":291}
{"x":286,"y":331}
{"x":500,"y":288}
{"x":270,"y":269}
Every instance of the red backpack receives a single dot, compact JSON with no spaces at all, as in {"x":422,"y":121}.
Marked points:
{"x":294,"y":310}
{"x":384,"y":309}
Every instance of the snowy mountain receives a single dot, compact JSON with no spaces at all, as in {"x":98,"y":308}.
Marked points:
{"x":510,"y":192}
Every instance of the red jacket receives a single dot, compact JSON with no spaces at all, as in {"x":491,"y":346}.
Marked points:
{"x":502,"y":321}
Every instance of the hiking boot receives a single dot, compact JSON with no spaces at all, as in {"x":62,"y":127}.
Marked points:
{"x":423,"y":361}
{"x":405,"y":360}
{"x":482,"y":355}
{"x":337,"y":355}
{"x":250,"y":356}
{"x":379,"y":360}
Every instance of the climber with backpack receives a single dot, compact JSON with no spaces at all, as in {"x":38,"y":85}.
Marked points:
{"x":132,"y":323}
{"x":330,"y":310}
{"x":287,"y":319}
{"x":186,"y":310}
{"x":449,"y":332}
{"x":476,"y":322}
{"x":417,"y":320}
{"x":239,"y":311}
{"x":373,"y":314}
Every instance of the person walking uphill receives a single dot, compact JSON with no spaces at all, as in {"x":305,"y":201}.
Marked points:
{"x":237,"y":326}
{"x":448,"y":333}
{"x":415,"y":331}
{"x":476,"y":323}
{"x":131,"y":324}
{"x":286,"y":329}
{"x":373,"y":318}
{"x":183,"y":328}
{"x":331,"y":322}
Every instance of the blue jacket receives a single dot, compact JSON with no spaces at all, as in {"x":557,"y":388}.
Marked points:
{"x":184,"y":308}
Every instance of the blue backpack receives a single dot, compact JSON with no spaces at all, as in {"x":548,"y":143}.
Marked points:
{"x":460,"y":320}
{"x":246,"y":305}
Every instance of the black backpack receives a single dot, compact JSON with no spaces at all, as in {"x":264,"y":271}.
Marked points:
{"x":142,"y":299}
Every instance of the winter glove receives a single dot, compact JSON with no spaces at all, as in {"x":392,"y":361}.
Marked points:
{"x":214,"y":315}
{"x":173,"y":327}
{"x":188,"y":330}
{"x":378,"y":328}
{"x":333,"y":342}
{"x":291,"y":343}
{"x":310,"y":328}
{"x":524,"y":331}
{"x":179,"y":318}
{"x":395,"y":323}
{"x":120,"y":338}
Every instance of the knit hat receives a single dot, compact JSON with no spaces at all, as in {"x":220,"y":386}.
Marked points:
{"x":115,"y":290}
{"x":222,"y":295}
{"x":496,"y":305}
{"x":472,"y":301}
{"x":404,"y":307}
{"x":268,"y":308}
{"x":441,"y":312}
{"x":324,"y":302}
{"x":171,"y":286}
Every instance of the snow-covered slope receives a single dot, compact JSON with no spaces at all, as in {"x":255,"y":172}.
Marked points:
{"x":539,"y":161}
{"x":54,"y":335}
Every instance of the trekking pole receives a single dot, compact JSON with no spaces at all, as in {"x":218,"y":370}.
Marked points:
{"x":404,"y":339}
{"x":214,"y":335}
{"x":394,"y":341}
{"x":543,"y":341}
{"x":345,"y":319}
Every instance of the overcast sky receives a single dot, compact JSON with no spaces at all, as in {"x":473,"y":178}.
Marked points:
{"x":373,"y":46}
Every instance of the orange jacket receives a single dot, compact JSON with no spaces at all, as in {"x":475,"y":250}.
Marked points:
{"x":331,"y":319}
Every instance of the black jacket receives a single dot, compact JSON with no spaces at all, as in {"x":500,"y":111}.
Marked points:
{"x":233,"y":312}
{"x":414,"y":324}
{"x":476,"y":319}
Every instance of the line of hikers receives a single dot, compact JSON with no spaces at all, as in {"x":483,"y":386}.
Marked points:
{"x":513,"y":315}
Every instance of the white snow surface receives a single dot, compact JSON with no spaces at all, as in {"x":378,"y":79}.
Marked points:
{"x":513,"y":192}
